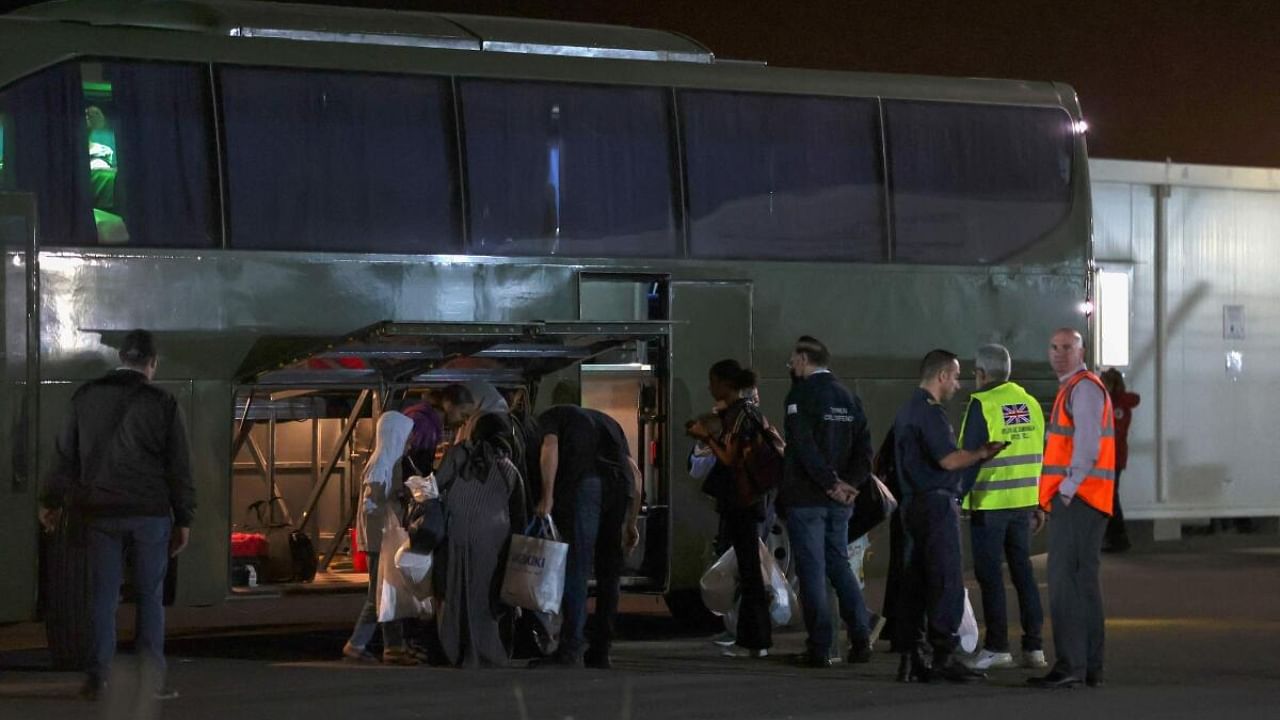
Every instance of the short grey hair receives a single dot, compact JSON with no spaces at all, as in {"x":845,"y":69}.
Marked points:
{"x":994,"y":361}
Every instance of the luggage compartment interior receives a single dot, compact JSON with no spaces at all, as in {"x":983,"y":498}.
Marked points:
{"x":306,"y":408}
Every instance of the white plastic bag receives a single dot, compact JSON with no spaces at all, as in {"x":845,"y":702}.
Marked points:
{"x":396,"y":597}
{"x":422,"y":489}
{"x":416,"y":569}
{"x":720,"y":584}
{"x":968,"y":626}
{"x":782,"y":597}
{"x":720,"y":587}
{"x":535,"y":573}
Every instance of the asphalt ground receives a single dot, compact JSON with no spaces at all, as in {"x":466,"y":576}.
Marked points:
{"x":1193,"y":631}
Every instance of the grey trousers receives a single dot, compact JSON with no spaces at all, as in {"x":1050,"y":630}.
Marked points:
{"x":1075,"y":593}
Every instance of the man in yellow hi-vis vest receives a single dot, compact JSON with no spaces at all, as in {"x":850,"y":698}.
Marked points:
{"x":1001,"y":498}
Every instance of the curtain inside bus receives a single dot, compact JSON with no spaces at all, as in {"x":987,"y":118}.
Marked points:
{"x":339,"y":162}
{"x":160,"y":119}
{"x":974,"y":184}
{"x":783,"y":177}
{"x":578,"y":170}
{"x":46,"y":153}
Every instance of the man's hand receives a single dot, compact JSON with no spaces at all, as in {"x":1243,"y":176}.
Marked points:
{"x":1066,"y":500}
{"x":178,"y":540}
{"x":630,"y":538}
{"x":843,"y":493}
{"x":49,"y":518}
{"x":1038,"y":521}
{"x":991,"y":449}
{"x":544,"y":506}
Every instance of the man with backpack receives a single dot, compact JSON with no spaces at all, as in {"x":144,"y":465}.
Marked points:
{"x":828,"y":455}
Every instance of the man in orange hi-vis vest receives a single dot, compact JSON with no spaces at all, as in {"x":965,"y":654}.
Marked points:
{"x":1076,"y":486}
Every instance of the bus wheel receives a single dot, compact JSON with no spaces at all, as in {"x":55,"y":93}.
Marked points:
{"x":64,"y":599}
{"x":688,"y":611}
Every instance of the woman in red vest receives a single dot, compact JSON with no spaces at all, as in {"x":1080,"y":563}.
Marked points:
{"x":1122,"y":402}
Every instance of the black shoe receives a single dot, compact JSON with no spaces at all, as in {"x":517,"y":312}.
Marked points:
{"x":92,"y":689}
{"x":953,"y":670}
{"x":557,"y":661}
{"x":597,"y":660}
{"x":809,"y":660}
{"x":1095,"y":680}
{"x":165,"y":693}
{"x":859,"y":652}
{"x":1116,"y":547}
{"x":913,"y":668}
{"x":1054,"y":681}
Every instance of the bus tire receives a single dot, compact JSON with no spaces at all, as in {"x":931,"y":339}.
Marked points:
{"x":65,"y":599}
{"x":688,"y":611}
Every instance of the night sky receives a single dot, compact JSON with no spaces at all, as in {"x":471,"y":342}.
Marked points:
{"x":1196,"y":81}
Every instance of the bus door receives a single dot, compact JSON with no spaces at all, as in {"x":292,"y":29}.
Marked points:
{"x":711,"y":321}
{"x":19,"y":404}
{"x":337,"y":386}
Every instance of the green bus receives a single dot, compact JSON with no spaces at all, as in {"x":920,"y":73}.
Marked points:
{"x":322,"y":212}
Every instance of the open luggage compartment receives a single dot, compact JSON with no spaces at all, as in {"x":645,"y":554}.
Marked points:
{"x":306,"y":409}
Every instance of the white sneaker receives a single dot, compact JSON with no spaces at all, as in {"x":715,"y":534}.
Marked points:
{"x":738,"y":652}
{"x":987,"y":660}
{"x":725,"y":639}
{"x":1034,"y":659}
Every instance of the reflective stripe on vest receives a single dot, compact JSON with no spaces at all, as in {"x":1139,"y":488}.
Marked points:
{"x":1098,"y":486}
{"x":1010,"y":479}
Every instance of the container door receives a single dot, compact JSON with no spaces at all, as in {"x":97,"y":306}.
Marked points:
{"x":19,"y":335}
{"x":711,"y":321}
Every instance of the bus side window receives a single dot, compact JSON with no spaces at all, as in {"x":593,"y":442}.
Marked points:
{"x":786,"y":177}
{"x":339,"y":162}
{"x":560,"y":169}
{"x":975,"y":184}
{"x":150,"y":153}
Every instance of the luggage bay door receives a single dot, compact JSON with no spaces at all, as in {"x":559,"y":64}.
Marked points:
{"x":712,"y":320}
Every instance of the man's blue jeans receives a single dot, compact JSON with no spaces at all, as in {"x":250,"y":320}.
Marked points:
{"x":1006,"y":535}
{"x":146,"y":539}
{"x":590,"y":519}
{"x":820,"y":545}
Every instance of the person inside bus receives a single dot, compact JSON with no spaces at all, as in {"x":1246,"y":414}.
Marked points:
{"x":592,"y":488}
{"x":102,"y":178}
{"x":485,"y":502}
{"x":379,"y":504}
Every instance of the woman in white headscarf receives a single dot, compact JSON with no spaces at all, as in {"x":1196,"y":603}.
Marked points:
{"x":379,"y":493}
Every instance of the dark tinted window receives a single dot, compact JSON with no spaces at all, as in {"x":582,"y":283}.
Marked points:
{"x":45,"y":152}
{"x":573,"y":170}
{"x":339,"y":162}
{"x":975,"y":183}
{"x":777,"y":176}
{"x":117,"y":153}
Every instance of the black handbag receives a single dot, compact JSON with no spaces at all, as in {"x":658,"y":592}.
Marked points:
{"x":423,"y":521}
{"x":873,"y":506}
{"x":291,"y":554}
{"x":425,"y":524}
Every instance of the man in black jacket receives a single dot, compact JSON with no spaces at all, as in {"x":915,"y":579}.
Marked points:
{"x":122,"y":470}
{"x":828,"y":456}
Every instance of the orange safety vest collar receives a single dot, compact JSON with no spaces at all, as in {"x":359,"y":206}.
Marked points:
{"x":1098,"y":487}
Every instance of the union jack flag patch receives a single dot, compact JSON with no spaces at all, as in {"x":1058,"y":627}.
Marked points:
{"x":1016,"y":414}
